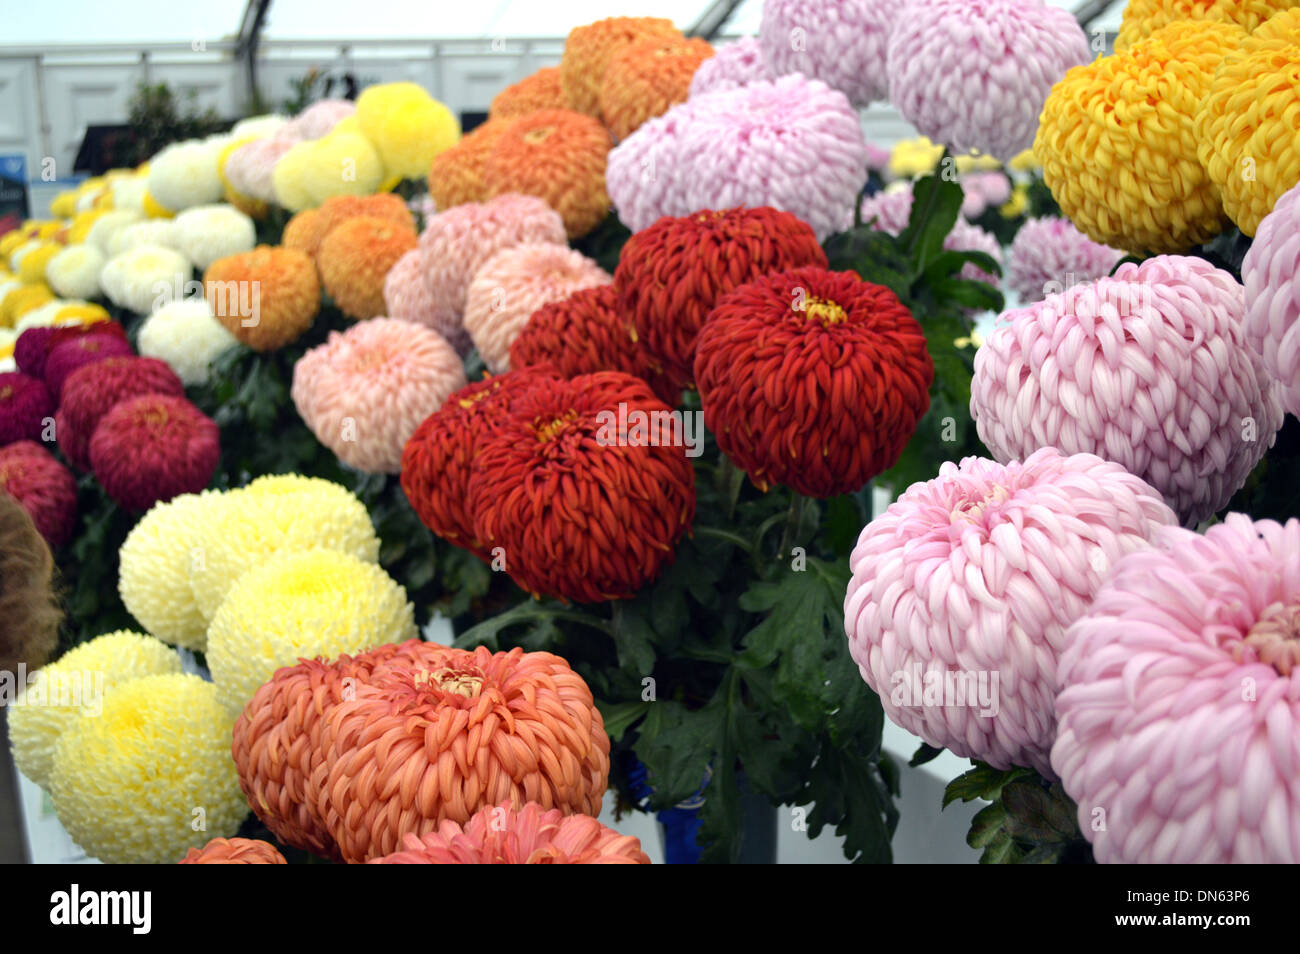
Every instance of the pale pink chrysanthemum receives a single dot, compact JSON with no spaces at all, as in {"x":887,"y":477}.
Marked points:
{"x":842,"y":44}
{"x":513,"y":284}
{"x":877,"y":157}
{"x":1179,"y":706}
{"x":1148,"y":368}
{"x":642,"y":173}
{"x":406,"y":296}
{"x":974,"y":74}
{"x":731,"y":65}
{"x":1271,"y":272}
{"x":889,"y":211}
{"x":318,"y":119}
{"x":456,"y":243}
{"x":365,"y":391}
{"x":966,"y":584}
{"x":982,"y":190}
{"x":1049,"y":254}
{"x":251,"y":166}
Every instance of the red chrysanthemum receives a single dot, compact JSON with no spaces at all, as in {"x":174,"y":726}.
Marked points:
{"x":589,"y":332}
{"x":671,"y":274}
{"x":436,"y":459}
{"x":45,"y":488}
{"x":25,"y":403}
{"x":152,"y":448}
{"x":33,"y":347}
{"x":234,"y":851}
{"x":813,"y":379}
{"x":91,"y":391}
{"x":585,"y":486}
{"x":78,"y":352}
{"x":454,"y":732}
{"x":502,"y":835}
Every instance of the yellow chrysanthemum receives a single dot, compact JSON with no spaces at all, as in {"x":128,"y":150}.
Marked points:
{"x":1024,"y":162}
{"x":1144,"y":17}
{"x":301,"y":605}
{"x":1118,"y":142}
{"x":22,"y":300}
{"x":77,"y":682}
{"x":407,"y":127}
{"x":155,"y":209}
{"x":32,"y":267}
{"x":152,"y":776}
{"x":914,"y":157}
{"x":341,"y":164}
{"x":10,"y":242}
{"x":284,"y":512}
{"x":976,"y":162}
{"x":288,"y":177}
{"x":1283,"y":27}
{"x":79,"y":228}
{"x":1248,"y":129}
{"x":80,"y":313}
{"x":1015,"y":206}
{"x":47,"y":228}
{"x":64,"y":204}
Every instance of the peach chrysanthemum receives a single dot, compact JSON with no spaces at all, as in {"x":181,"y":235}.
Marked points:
{"x":338,"y":209}
{"x":355,"y":258}
{"x":234,"y":851}
{"x":300,"y":231}
{"x":541,"y":90}
{"x":645,"y":78}
{"x":266,"y":298}
{"x":407,"y":296}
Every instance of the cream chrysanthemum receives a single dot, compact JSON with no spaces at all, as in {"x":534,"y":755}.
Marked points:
{"x":152,"y":776}
{"x":77,"y":682}
{"x":185,"y":174}
{"x":104,"y":227}
{"x":74,"y":272}
{"x":258,"y":127}
{"x":149,"y":232}
{"x":128,"y":193}
{"x":145,"y":278}
{"x":209,"y":232}
{"x":186,"y":335}
{"x":298,"y":606}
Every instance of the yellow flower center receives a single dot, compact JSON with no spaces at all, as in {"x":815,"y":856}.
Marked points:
{"x":556,"y":426}
{"x":6,"y":392}
{"x":537,"y":135}
{"x":1275,"y":637}
{"x":466,"y":682}
{"x":827,"y":312}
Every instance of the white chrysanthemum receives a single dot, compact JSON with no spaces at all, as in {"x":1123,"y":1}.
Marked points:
{"x":107,"y":225}
{"x":258,"y":127}
{"x":46,"y":315}
{"x":209,"y":232}
{"x":7,"y":338}
{"x":74,"y":272}
{"x":144,"y":278}
{"x":185,"y":175}
{"x":128,"y":193}
{"x":148,"y":232}
{"x":186,"y":335}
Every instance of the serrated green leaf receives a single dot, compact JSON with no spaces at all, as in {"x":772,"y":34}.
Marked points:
{"x":982,"y":781}
{"x":621,"y":716}
{"x":925,"y":753}
{"x":1036,"y":814}
{"x":987,"y":825}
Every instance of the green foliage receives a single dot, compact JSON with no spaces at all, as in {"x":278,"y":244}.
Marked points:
{"x":1028,"y":820}
{"x":158,"y":117}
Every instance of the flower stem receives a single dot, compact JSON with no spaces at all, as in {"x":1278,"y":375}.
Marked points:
{"x":790,"y":537}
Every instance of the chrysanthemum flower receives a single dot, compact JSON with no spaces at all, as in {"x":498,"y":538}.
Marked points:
{"x":1118,"y":143}
{"x":1008,"y":54}
{"x":133,"y":235}
{"x":1144,"y":17}
{"x":812,"y":379}
{"x":645,"y":78}
{"x":300,"y":231}
{"x":297,"y":605}
{"x":29,"y":609}
{"x":266,"y":298}
{"x":209,"y":232}
{"x":983,"y":190}
{"x":1271,"y":273}
{"x":30,"y":265}
{"x":251,"y":167}
{"x":841,"y":44}
{"x":407,"y":126}
{"x":144,"y":278}
{"x":75,"y":683}
{"x":407,"y":296}
{"x":234,"y":851}
{"x":105,"y":226}
{"x":1092,"y":370}
{"x":185,"y":174}
{"x":25,"y":403}
{"x":732,"y":65}
{"x":273,"y":514}
{"x":551,"y":484}
{"x":19,"y":301}
{"x":152,"y":448}
{"x":671,"y":274}
{"x":364,"y":392}
{"x":557,"y":155}
{"x":34,"y":346}
{"x":318,"y":119}
{"x":342,"y":163}
{"x":1178,"y":699}
{"x":355,"y":258}
{"x":541,"y":90}
{"x":465,"y":729}
{"x":79,"y":351}
{"x":502,"y":835}
{"x":91,"y":391}
{"x":962,"y":591}
{"x":1246,"y":130}
{"x":513,"y":284}
{"x":1049,"y":253}
{"x":588,"y":50}
{"x":338,"y":209}
{"x":127,"y":785}
{"x":186,"y":336}
{"x":456,"y":176}
{"x":587,"y":332}
{"x":74,"y":271}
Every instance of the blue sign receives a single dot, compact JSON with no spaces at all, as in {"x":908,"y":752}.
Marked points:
{"x":14,"y":207}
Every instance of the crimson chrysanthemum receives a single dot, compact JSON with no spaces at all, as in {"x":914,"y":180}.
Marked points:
{"x":234,"y":851}
{"x":439,"y":739}
{"x":812,"y":379}
{"x":504,"y":835}
{"x":153,"y":447}
{"x":671,"y":274}
{"x":33,"y":347}
{"x":46,"y":489}
{"x":91,"y":392}
{"x":585,"y":487}
{"x":25,"y":403}
{"x":78,"y":352}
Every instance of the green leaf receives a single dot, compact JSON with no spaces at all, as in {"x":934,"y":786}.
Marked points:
{"x":926,"y":753}
{"x":986,"y":826}
{"x":676,"y":745}
{"x":1037,"y":814}
{"x":982,"y":781}
{"x":621,"y":716}
{"x":936,"y":204}
{"x":634,"y":639}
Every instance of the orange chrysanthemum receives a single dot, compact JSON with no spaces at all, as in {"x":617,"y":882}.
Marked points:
{"x":354,"y":260}
{"x":557,"y":155}
{"x":589,"y":332}
{"x":455,"y":731}
{"x":1144,"y":17}
{"x":456,"y":175}
{"x":340,"y":208}
{"x":266,"y":298}
{"x":588,"y":50}
{"x":540,"y":91}
{"x":645,"y":78}
{"x":585,"y":486}
{"x":502,"y":835}
{"x":234,"y":851}
{"x":300,"y":231}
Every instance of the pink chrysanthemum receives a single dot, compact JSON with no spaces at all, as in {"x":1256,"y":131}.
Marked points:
{"x":1149,"y":369}
{"x":890,"y":211}
{"x":151,"y":448}
{"x":792,"y":143}
{"x":974,"y":74}
{"x":365,"y":391}
{"x":46,"y":489}
{"x":504,"y":835}
{"x":962,"y":591}
{"x":77,"y":353}
{"x":455,"y":244}
{"x":407,"y":296}
{"x":318,"y":119}
{"x":25,"y":403}
{"x":1049,"y":254}
{"x":731,"y":65}
{"x":1180,"y":697}
{"x":91,"y":392}
{"x":842,"y":44}
{"x":516,"y":282}
{"x":250,"y":167}
{"x":982,"y":190}
{"x":1271,"y":272}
